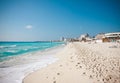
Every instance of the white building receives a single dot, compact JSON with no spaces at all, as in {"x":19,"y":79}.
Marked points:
{"x":111,"y":37}
{"x":85,"y":37}
{"x":62,"y":39}
{"x":99,"y":37}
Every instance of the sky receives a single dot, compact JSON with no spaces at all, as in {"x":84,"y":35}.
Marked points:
{"x":37,"y":20}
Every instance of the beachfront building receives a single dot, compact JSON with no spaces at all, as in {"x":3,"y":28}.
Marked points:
{"x":62,"y":39}
{"x":99,"y":37}
{"x":107,"y":37}
{"x":71,"y":39}
{"x":111,"y":37}
{"x":85,"y":38}
{"x":68,"y":39}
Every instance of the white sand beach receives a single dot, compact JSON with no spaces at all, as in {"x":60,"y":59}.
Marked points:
{"x":81,"y":63}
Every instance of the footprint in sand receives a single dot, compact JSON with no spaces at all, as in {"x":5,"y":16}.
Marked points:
{"x":60,"y":65}
{"x":54,"y":78}
{"x":80,"y":66}
{"x":84,"y":73}
{"x":58,"y":73}
{"x":90,"y":76}
{"x":54,"y":81}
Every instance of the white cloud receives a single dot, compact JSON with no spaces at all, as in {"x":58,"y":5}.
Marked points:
{"x":29,"y":27}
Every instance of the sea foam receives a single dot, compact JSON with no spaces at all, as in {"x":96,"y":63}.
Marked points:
{"x":13,"y":71}
{"x":18,"y":59}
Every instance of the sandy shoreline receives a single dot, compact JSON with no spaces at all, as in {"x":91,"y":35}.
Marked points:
{"x":16,"y":68}
{"x":81,"y":63}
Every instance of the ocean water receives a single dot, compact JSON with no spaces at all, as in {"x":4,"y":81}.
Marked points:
{"x":8,"y":49}
{"x":18,"y":59}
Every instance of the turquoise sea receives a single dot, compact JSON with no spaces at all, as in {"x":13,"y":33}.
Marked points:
{"x":8,"y":49}
{"x":18,"y":59}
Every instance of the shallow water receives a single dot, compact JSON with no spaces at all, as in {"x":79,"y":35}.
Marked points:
{"x":14,"y":68}
{"x":8,"y":49}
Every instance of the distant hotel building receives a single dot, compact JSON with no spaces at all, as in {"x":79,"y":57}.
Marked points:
{"x":85,"y":38}
{"x":111,"y":37}
{"x":62,"y":39}
{"x":108,"y":37}
{"x":99,"y":37}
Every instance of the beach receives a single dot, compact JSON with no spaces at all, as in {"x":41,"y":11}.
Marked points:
{"x":16,"y":67}
{"x":81,"y":63}
{"x":60,"y":41}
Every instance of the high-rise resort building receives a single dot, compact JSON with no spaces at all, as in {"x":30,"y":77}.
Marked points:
{"x":62,"y":39}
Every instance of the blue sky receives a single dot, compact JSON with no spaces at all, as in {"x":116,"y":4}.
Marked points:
{"x":30,"y":20}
